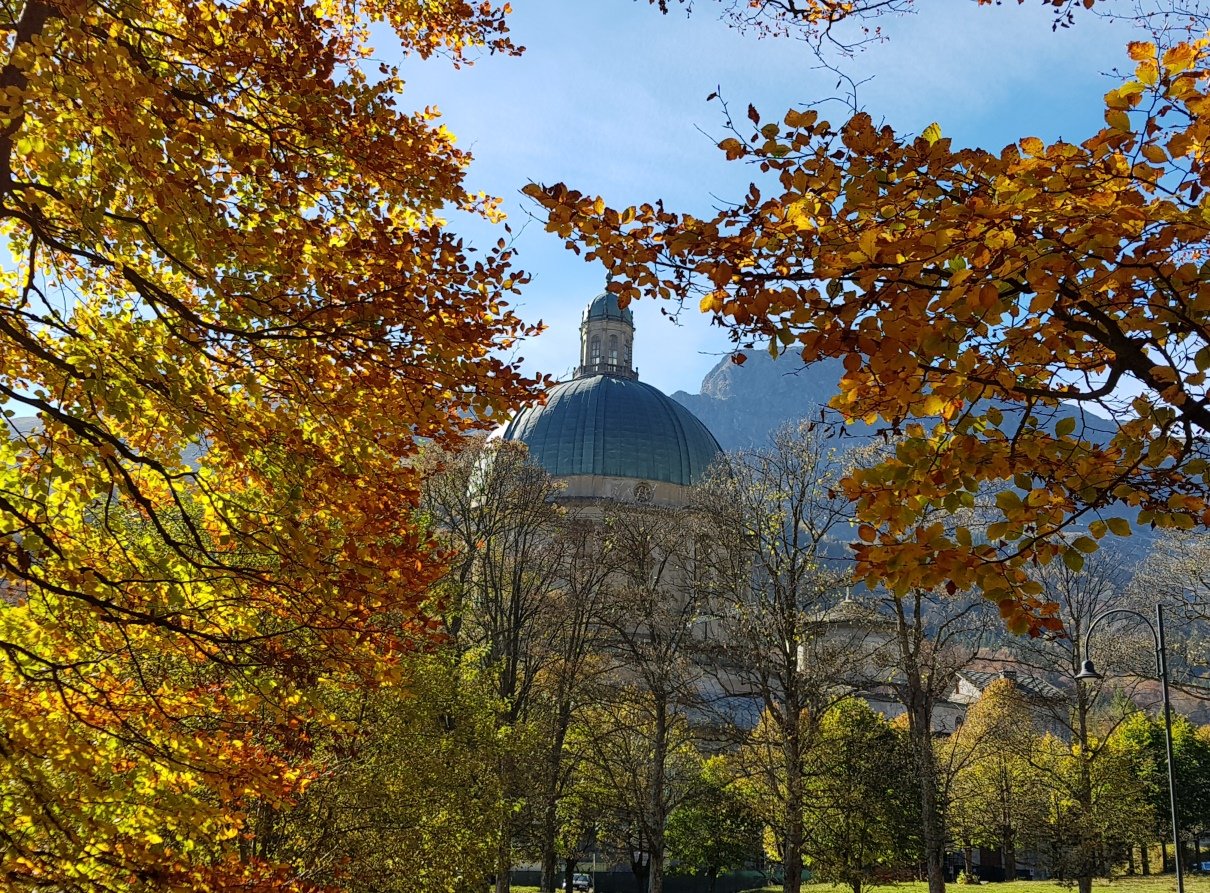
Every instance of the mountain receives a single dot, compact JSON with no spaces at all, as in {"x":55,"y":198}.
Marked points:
{"x":743,"y":404}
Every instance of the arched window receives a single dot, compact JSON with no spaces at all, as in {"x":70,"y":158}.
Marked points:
{"x":613,"y":350}
{"x":626,"y":354}
{"x":594,"y":351}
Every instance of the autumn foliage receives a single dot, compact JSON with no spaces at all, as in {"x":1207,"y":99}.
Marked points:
{"x":974,"y":297}
{"x":230,"y":309}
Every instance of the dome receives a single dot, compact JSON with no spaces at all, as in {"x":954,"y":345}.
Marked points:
{"x":605,"y":306}
{"x":615,"y":427}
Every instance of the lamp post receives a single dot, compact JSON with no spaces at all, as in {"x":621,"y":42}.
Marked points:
{"x":1088,"y":671}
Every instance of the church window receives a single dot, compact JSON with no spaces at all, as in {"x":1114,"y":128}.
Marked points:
{"x":613,"y":350}
{"x":595,"y":350}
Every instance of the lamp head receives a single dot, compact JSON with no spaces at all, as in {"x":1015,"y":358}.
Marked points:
{"x":1088,"y":671}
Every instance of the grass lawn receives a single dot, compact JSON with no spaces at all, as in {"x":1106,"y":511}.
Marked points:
{"x":1165,"y":884}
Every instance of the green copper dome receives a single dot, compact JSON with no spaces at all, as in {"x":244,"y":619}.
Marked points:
{"x":617,"y":427}
{"x":605,"y":306}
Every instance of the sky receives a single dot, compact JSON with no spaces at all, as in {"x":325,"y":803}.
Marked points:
{"x":610,"y":98}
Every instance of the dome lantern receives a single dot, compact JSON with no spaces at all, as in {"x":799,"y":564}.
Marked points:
{"x":606,"y":339}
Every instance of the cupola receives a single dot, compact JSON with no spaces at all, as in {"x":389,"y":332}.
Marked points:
{"x":606,"y":339}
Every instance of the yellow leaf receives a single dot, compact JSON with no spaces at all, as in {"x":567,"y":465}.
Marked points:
{"x":1031,"y":145}
{"x":1141,"y":51}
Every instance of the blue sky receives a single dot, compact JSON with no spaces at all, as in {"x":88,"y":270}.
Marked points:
{"x":610,"y":98}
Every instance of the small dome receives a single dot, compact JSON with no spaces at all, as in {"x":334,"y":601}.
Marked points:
{"x":616,"y":427}
{"x":605,"y":306}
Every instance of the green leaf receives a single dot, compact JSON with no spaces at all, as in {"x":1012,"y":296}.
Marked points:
{"x":1073,"y":560}
{"x":1086,"y":544}
{"x":1066,"y":426}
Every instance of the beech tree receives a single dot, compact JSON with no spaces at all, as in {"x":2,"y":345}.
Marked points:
{"x":969,"y":293}
{"x":230,"y":308}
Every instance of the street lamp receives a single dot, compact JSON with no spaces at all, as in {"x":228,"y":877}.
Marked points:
{"x":1088,"y":671}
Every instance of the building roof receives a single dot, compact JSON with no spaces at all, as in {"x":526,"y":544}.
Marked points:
{"x":605,"y":306}
{"x":604,"y":425}
{"x":1031,"y":685}
{"x":850,"y":611}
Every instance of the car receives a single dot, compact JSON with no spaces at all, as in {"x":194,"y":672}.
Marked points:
{"x":582,"y":882}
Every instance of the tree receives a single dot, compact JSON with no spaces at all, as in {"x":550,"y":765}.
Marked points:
{"x":1098,"y":808}
{"x":817,"y":20}
{"x":998,"y":797}
{"x":714,"y":830}
{"x":409,"y":799}
{"x":640,"y":765}
{"x":862,"y":812}
{"x":971,"y":294}
{"x":1176,"y":572}
{"x":1140,"y":740}
{"x":569,"y":681}
{"x":650,"y":626}
{"x":230,"y":305}
{"x":935,"y":635}
{"x":769,"y":563}
{"x":496,"y":510}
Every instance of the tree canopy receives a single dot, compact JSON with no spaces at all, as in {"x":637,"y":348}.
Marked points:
{"x":230,"y":310}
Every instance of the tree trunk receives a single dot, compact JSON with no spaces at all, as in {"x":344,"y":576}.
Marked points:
{"x":550,"y":859}
{"x":917,"y":699}
{"x":1084,"y":883}
{"x":793,"y":814}
{"x":968,"y":860}
{"x":655,"y":873}
{"x":1130,"y":860}
{"x":1163,"y":856}
{"x":659,"y":818}
{"x":504,"y":856}
{"x":1145,"y":858}
{"x":713,"y":876}
{"x":569,"y":873}
{"x":1008,"y":855}
{"x":550,"y":816}
{"x":932,"y":819}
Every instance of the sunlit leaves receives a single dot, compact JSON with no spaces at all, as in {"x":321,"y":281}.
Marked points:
{"x":229,"y":314}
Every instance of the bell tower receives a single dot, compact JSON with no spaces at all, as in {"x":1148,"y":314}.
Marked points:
{"x":606,"y":339}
